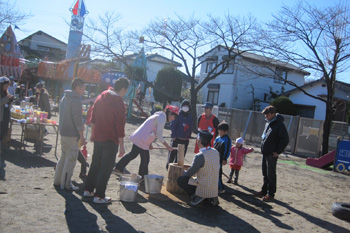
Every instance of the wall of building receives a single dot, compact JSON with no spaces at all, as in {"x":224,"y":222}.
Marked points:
{"x":42,"y":40}
{"x":236,"y":89}
{"x":320,"y":106}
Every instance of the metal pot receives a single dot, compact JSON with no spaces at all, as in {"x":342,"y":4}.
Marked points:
{"x":153,"y":183}
{"x":131,"y":178}
{"x":128,"y":191}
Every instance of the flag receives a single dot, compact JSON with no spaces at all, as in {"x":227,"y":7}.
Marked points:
{"x":82,"y":8}
{"x":16,"y":27}
{"x":75,"y":8}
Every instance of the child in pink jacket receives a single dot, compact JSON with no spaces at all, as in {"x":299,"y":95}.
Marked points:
{"x":236,"y":159}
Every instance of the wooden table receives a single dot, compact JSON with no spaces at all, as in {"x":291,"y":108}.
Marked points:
{"x":40,"y":128}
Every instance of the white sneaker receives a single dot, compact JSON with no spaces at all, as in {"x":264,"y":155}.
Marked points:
{"x":105,"y":200}
{"x":88,"y":194}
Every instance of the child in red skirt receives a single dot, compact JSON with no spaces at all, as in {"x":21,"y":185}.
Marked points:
{"x":236,"y":160}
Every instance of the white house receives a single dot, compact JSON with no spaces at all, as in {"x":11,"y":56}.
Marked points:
{"x":41,"y":45}
{"x":155,"y":62}
{"x":248,"y":79}
{"x":316,"y":109}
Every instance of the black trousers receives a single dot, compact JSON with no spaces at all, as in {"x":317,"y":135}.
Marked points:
{"x":172,"y":157}
{"x":221,"y":184}
{"x":135,"y":151}
{"x":101,"y":167}
{"x":83,"y":163}
{"x":182,"y":181}
{"x":269,"y":164}
{"x":4,"y":124}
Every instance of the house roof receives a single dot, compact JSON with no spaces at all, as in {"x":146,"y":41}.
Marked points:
{"x":338,"y":85}
{"x":264,"y":59}
{"x":156,"y":58}
{"x":41,"y":32}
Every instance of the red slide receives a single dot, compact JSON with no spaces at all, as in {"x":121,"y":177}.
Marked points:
{"x":322,"y":162}
{"x":139,"y":108}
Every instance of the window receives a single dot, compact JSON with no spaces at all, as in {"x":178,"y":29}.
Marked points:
{"x":305,"y":110}
{"x":229,"y":69}
{"x":210,"y":66}
{"x":213,"y":93}
{"x":265,"y":97}
{"x":43,"y":48}
{"x":280,"y":76}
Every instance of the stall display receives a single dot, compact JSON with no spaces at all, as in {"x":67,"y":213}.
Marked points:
{"x":30,"y":115}
{"x":33,"y":123}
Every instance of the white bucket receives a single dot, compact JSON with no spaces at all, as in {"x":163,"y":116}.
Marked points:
{"x":153,"y":183}
{"x":128,"y":191}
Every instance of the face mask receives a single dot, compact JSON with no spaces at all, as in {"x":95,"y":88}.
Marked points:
{"x":185,"y":109}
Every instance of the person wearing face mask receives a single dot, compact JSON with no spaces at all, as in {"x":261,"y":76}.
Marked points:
{"x":181,"y":129}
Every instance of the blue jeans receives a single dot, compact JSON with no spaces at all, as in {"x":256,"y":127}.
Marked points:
{"x":103,"y":160}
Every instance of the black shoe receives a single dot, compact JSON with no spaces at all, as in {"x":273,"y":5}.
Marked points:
{"x":197,"y":200}
{"x":260,"y":194}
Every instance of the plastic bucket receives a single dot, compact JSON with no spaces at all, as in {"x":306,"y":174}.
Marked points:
{"x":131,"y":178}
{"x":128,"y":191}
{"x":153,"y":183}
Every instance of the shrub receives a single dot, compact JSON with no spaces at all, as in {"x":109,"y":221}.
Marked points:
{"x":284,"y":105}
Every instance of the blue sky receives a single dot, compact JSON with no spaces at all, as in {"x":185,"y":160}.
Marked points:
{"x":52,"y":16}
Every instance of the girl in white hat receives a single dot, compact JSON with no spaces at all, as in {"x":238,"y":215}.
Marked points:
{"x":236,"y":160}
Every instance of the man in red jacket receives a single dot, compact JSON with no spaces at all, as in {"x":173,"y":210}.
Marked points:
{"x":108,"y":127}
{"x":209,"y":122}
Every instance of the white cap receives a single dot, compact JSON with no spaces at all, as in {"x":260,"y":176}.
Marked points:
{"x":239,"y":140}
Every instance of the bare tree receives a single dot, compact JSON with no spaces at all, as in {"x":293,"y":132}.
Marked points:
{"x":10,"y":15}
{"x":110,"y":41}
{"x":316,"y":39}
{"x":114,"y":43}
{"x":187,"y":39}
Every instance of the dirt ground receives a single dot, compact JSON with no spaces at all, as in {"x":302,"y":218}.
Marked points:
{"x":30,"y":203}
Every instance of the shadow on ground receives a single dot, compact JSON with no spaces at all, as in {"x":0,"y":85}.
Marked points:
{"x":113,"y":222}
{"x":78,"y":218}
{"x":26,"y":159}
{"x":205,"y":214}
{"x":267,"y":213}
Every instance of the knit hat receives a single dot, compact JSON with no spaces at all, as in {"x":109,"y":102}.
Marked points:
{"x":185,"y":103}
{"x":240,"y":140}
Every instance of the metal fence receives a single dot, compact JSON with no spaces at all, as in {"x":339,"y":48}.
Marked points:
{"x":305,"y":135}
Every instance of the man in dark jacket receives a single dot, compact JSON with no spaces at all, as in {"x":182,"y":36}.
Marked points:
{"x":71,"y":131}
{"x":274,"y":140}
